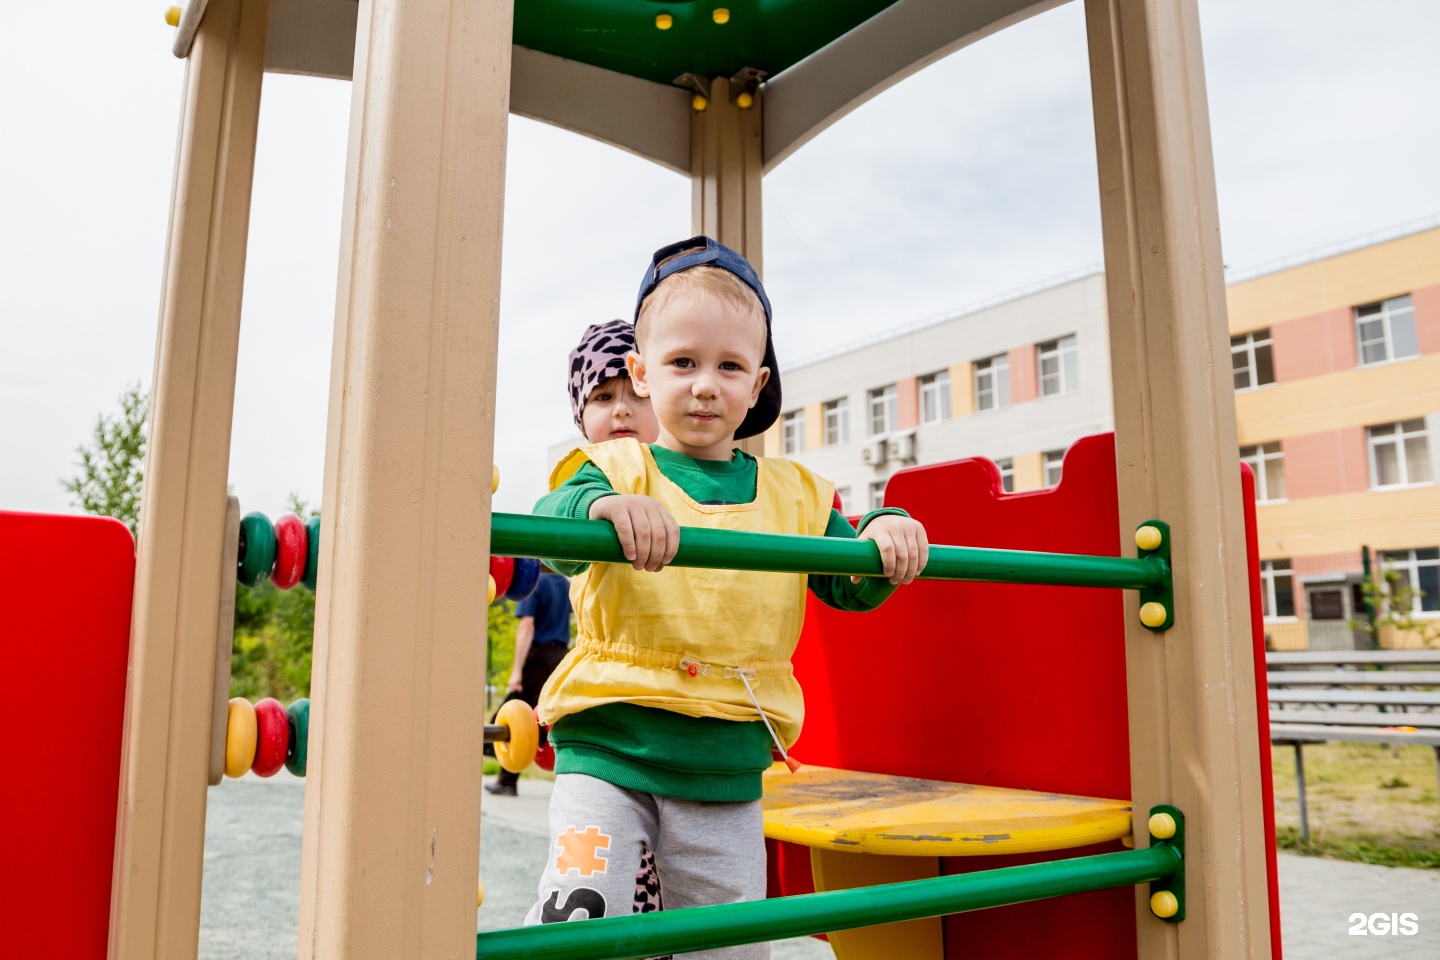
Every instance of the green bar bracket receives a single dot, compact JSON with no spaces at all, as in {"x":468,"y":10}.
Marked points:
{"x":1167,"y":894}
{"x":1157,"y":601}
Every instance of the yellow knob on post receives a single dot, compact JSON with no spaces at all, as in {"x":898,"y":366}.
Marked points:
{"x":494,"y":478}
{"x":1153,"y":614}
{"x":1164,"y":904}
{"x":721,"y":15}
{"x":745,"y":101}
{"x":172,"y":16}
{"x":663,"y":21}
{"x":699,"y":103}
{"x":1162,"y":825}
{"x":1148,"y":538}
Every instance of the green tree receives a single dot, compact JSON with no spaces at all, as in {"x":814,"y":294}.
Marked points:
{"x":499,"y":647}
{"x":112,"y":467}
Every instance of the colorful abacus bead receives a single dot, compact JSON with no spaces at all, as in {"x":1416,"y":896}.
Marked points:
{"x":503,"y":570}
{"x":297,"y":751}
{"x":523,"y":581}
{"x":312,"y":553}
{"x":291,"y":551}
{"x":545,"y":756}
{"x":272,"y":737}
{"x":519,"y":751}
{"x":257,"y":549}
{"x":239,"y":737}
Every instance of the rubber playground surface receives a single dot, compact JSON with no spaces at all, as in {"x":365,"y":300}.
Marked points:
{"x":252,"y":880}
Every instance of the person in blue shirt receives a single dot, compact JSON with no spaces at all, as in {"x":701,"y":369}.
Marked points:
{"x":542,"y":637}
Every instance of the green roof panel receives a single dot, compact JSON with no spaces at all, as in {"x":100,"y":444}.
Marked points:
{"x":622,"y":35}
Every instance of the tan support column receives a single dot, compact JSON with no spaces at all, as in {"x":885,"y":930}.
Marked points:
{"x":160,"y":826}
{"x":392,"y":805}
{"x":1193,"y":739}
{"x":726,"y":163}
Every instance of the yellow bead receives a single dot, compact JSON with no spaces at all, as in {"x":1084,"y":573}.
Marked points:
{"x":240,"y":733}
{"x":1148,"y":538}
{"x":663,"y":21}
{"x":172,"y":16}
{"x":699,"y":103}
{"x":492,"y":588}
{"x":1162,"y":825}
{"x":1152,"y":614}
{"x":744,"y":101}
{"x":721,"y":15}
{"x":480,"y":895}
{"x":519,"y":751}
{"x":1128,"y":843}
{"x":1164,"y":904}
{"x":494,"y":478}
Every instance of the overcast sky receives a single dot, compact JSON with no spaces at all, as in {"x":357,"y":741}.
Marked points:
{"x":973,"y":178}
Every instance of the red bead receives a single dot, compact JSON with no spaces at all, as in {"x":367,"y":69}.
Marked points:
{"x":502,"y":569}
{"x":838,"y":503}
{"x":272,"y":737}
{"x":292,"y":550}
{"x":692,"y":669}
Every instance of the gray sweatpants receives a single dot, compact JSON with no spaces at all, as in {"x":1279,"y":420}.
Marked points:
{"x":705,"y":853}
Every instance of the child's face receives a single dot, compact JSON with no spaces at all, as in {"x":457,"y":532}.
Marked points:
{"x":613,"y":410}
{"x":700,"y":364}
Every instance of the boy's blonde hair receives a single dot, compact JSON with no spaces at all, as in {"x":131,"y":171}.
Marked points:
{"x":714,"y":281}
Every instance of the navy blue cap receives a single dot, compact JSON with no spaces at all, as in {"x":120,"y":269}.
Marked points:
{"x":713,"y":253}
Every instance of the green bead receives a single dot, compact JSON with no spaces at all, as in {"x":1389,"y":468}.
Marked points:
{"x":257,"y":549}
{"x":312,"y":554}
{"x":298,"y":749}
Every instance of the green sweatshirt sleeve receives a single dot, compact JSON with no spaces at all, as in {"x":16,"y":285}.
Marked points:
{"x":838,"y":591}
{"x":572,"y":500}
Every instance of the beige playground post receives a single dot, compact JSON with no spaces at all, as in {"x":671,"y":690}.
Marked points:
{"x":726,"y":163}
{"x":1191,"y":689}
{"x":392,"y":802}
{"x":160,"y":824}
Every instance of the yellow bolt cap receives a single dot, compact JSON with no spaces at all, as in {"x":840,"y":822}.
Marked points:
{"x":1148,"y":538}
{"x":172,"y":16}
{"x":1152,"y":614}
{"x":492,"y":588}
{"x":699,"y":103}
{"x":1128,"y":843}
{"x":745,"y":101}
{"x":1164,"y":904}
{"x":721,"y":15}
{"x":494,"y":478}
{"x":663,"y":21}
{"x":1162,"y":825}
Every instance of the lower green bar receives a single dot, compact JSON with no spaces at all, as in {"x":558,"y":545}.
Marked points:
{"x":594,"y":541}
{"x":700,"y":928}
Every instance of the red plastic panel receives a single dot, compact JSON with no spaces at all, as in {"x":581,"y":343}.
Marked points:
{"x":64,"y":640}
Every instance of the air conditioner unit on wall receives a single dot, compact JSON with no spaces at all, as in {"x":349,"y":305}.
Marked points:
{"x":901,"y":447}
{"x":874,"y":453}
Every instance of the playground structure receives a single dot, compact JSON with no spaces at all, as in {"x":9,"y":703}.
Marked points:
{"x":391,"y":832}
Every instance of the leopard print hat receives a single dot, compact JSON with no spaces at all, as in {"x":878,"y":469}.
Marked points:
{"x":599,"y":357}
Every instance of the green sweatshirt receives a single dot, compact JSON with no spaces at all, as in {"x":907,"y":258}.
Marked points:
{"x":658,"y":751}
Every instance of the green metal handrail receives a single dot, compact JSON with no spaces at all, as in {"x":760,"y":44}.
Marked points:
{"x":682,"y":931}
{"x":594,"y":541}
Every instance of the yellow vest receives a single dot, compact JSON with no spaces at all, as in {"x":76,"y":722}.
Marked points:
{"x":676,"y":640}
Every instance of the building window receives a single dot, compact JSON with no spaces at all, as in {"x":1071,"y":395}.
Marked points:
{"x":844,"y":494}
{"x":1007,"y":474}
{"x":1418,"y":571}
{"x":884,"y":409}
{"x":1252,"y":360}
{"x":1277,"y":589}
{"x":837,"y":422}
{"x":877,"y":494}
{"x":992,"y":382}
{"x":1059,"y":363}
{"x":792,"y":432}
{"x":1054,"y":460}
{"x":935,"y":397}
{"x":1268,"y":462}
{"x":1386,"y":330}
{"x":1399,"y":454}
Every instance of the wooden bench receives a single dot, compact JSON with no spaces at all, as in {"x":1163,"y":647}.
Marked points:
{"x":1357,"y":696}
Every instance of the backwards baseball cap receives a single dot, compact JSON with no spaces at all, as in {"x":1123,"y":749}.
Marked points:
{"x":705,"y":252}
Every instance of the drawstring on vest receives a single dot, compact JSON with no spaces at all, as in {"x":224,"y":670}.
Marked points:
{"x":694,"y":667}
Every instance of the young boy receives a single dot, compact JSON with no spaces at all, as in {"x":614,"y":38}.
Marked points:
{"x":664,"y":713}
